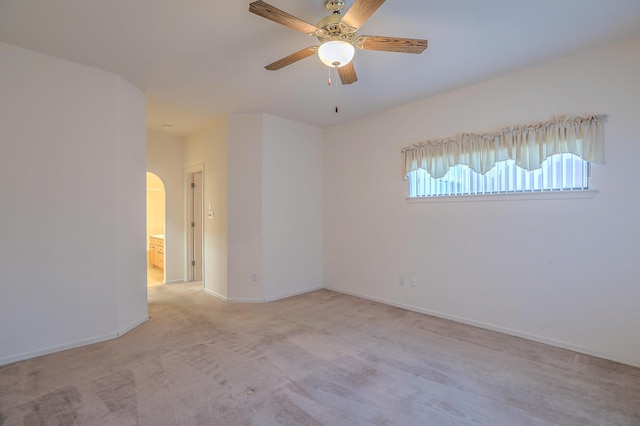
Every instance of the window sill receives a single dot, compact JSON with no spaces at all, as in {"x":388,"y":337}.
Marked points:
{"x":507,"y":196}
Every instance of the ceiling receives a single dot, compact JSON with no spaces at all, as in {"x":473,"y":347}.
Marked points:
{"x":197,"y":59}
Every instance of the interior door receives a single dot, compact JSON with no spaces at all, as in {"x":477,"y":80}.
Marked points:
{"x":196,"y":227}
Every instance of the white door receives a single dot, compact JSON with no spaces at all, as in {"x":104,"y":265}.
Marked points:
{"x":195,"y":227}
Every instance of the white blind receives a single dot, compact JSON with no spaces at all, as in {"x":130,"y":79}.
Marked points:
{"x":527,"y":145}
{"x":560,"y":172}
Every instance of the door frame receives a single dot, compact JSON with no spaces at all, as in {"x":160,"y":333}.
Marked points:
{"x":164,"y":224}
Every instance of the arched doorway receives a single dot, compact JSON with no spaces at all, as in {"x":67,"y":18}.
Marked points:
{"x":155,"y":230}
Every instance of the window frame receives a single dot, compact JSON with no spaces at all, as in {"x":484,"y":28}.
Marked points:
{"x":507,"y":196}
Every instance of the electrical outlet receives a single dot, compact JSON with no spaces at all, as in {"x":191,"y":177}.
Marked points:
{"x":401,"y":282}
{"x":414,"y":281}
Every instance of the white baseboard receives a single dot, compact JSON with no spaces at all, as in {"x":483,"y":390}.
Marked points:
{"x":215,"y":294}
{"x":240,"y":300}
{"x":295,"y":293}
{"x":130,"y":327}
{"x":175,"y":281}
{"x":57,"y":348}
{"x":273,"y":299}
{"x":72,"y":345}
{"x":500,"y":329}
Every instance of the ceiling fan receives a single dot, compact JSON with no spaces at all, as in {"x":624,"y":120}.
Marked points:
{"x":337,"y":35}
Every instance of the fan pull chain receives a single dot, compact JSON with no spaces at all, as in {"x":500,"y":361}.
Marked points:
{"x":329,"y":83}
{"x":336,"y":91}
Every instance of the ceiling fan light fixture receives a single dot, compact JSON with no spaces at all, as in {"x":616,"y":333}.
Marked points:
{"x":336,"y":53}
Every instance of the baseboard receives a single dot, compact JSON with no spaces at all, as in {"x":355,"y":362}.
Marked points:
{"x":273,"y":299}
{"x":72,"y":345}
{"x":499,"y":329}
{"x":240,"y":300}
{"x":215,"y":294}
{"x":57,"y":348}
{"x":175,"y":281}
{"x":295,"y":293}
{"x":130,"y":327}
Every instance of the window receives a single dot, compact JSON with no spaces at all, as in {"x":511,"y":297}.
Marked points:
{"x":560,"y":172}
{"x":550,"y":156}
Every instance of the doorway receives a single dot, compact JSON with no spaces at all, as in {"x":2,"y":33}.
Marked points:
{"x":156,"y":197}
{"x":195,"y":229}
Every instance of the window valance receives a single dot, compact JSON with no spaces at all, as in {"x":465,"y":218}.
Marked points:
{"x":528,"y":145}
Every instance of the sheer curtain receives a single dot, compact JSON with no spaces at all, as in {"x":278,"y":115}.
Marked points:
{"x":528,"y":145}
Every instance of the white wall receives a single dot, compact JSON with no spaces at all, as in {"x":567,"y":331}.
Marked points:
{"x":72,"y":189}
{"x":292,"y":211}
{"x":275,"y":207}
{"x":563,"y":272}
{"x":208,"y":148}
{"x":245,"y":207}
{"x":130,"y":134}
{"x":165,"y":158}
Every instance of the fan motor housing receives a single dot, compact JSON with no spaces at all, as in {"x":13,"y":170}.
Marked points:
{"x":332,"y":28}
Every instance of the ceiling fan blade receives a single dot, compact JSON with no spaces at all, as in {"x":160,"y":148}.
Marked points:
{"x":294,"y":57}
{"x":360,"y":11}
{"x":265,"y":10}
{"x":347,"y":73}
{"x":391,"y":44}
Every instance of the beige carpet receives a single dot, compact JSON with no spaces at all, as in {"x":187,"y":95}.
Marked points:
{"x":155,"y":276}
{"x":318,"y":359}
